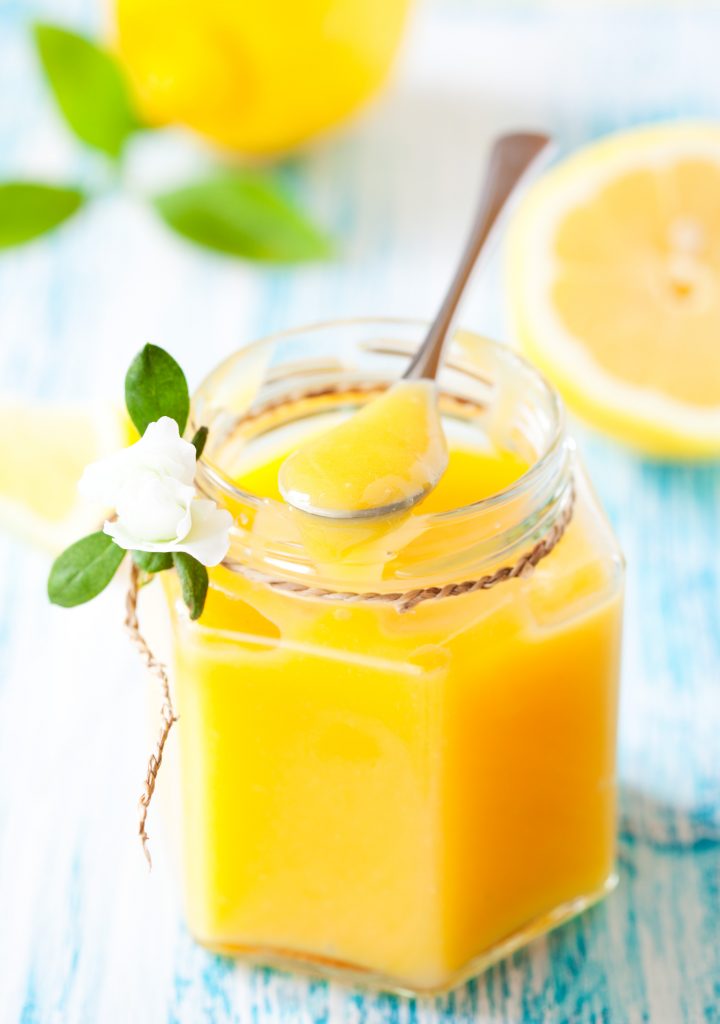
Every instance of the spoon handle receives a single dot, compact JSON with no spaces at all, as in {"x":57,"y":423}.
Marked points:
{"x":510,"y":157}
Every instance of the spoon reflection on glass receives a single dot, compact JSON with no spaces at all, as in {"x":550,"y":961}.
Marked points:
{"x":387,"y":456}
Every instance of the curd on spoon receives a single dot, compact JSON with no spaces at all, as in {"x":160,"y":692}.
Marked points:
{"x":384,"y":456}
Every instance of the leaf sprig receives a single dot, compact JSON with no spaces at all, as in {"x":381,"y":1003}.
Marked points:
{"x":239,"y":213}
{"x":89,"y":88}
{"x":155,"y":386}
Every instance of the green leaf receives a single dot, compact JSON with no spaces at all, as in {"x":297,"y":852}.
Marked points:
{"x":153,"y":561}
{"x":28,"y":209}
{"x":243,"y":214}
{"x":84,"y":569}
{"x":88,"y":86}
{"x":155,"y":386}
{"x":199,"y":441}
{"x":193,"y":581}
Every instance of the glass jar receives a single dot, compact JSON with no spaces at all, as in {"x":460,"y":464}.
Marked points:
{"x":384,"y":774}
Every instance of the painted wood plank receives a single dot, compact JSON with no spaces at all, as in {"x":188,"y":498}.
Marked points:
{"x":86,"y":935}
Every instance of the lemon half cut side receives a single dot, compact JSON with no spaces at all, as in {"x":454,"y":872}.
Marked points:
{"x":40,"y":470}
{"x":613,"y":277}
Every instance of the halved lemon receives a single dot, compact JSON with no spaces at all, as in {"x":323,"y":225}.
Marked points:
{"x":49,"y":446}
{"x":614,"y":285}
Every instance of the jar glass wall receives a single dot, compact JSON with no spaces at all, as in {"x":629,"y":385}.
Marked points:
{"x":380,"y":775}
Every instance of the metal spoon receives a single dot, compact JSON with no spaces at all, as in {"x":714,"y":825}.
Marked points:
{"x":510,"y":157}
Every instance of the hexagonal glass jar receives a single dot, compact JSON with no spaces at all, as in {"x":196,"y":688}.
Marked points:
{"x":400,"y":791}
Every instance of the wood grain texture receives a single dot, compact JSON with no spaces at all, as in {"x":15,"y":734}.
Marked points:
{"x":86,"y":936}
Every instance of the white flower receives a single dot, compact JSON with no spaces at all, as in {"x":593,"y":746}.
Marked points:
{"x":150,"y":486}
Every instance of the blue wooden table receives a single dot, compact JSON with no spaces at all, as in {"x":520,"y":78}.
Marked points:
{"x":86,"y":935}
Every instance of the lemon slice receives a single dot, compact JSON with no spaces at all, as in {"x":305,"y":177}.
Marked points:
{"x":40,"y":469}
{"x":614,"y":285}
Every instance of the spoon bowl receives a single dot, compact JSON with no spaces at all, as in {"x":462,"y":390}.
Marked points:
{"x":299,"y":501}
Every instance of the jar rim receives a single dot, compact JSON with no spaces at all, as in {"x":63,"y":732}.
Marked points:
{"x":517,"y":489}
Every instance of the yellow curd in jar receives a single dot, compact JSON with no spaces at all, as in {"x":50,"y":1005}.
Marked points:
{"x":408,"y":795}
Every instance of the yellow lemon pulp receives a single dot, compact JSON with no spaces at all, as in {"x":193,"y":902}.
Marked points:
{"x":39,"y":474}
{"x":391,"y":450}
{"x":257,"y":77}
{"x":614,"y":283}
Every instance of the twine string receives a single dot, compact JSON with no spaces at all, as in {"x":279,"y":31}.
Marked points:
{"x":405,"y":601}
{"x":167,"y":711}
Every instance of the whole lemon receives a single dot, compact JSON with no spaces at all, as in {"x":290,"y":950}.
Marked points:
{"x":257,"y":76}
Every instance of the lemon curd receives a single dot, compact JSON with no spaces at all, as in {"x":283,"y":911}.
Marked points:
{"x":400,"y":790}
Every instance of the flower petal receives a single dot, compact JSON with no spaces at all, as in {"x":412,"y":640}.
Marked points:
{"x":120,"y":535}
{"x":155,"y":508}
{"x":164,"y":451}
{"x":102,"y":481}
{"x":124,"y":539}
{"x":209,"y":536}
{"x":160,"y":450}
